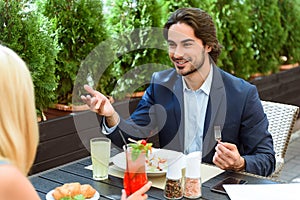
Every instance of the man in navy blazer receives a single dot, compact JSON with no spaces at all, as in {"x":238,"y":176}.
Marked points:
{"x":169,"y":109}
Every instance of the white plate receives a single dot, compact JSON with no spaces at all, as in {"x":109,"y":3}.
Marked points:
{"x":157,"y":154}
{"x":50,"y":197}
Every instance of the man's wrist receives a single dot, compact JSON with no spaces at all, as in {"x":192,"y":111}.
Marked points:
{"x":112,"y":120}
{"x":242,"y":164}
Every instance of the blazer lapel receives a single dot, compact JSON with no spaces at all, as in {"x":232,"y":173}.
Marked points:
{"x":216,"y":111}
{"x":179,"y":110}
{"x":177,"y":143}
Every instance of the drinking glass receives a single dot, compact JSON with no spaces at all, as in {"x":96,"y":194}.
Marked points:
{"x":135,"y":175}
{"x":100,"y":153}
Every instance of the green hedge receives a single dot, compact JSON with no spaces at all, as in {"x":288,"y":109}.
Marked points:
{"x":80,"y":29}
{"x":255,"y":35}
{"x":33,"y":37}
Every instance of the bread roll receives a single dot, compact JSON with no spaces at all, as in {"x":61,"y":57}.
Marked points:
{"x":73,"y":189}
{"x":87,"y":191}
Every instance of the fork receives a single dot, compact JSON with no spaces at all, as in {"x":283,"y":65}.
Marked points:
{"x":218,"y":135}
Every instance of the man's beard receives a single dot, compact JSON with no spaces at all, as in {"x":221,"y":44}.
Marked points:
{"x":195,"y":69}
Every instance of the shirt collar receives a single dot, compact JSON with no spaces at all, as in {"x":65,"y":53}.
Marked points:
{"x":205,"y":87}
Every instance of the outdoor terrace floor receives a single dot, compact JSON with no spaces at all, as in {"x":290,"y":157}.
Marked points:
{"x":291,"y":170}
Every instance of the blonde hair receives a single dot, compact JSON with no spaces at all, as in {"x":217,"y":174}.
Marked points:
{"x":19,"y":135}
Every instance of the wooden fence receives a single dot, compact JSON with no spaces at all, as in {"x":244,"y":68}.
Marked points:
{"x":282,"y":87}
{"x":65,"y":139}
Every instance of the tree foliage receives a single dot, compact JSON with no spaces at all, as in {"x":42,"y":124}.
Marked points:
{"x":32,"y":36}
{"x":124,"y":45}
{"x":136,"y":43}
{"x":80,"y":26}
{"x":290,"y":21}
{"x":268,"y":34}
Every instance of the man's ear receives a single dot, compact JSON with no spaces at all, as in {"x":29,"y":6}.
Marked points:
{"x":208,"y":48}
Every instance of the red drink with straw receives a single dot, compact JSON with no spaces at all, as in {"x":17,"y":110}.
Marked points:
{"x":135,"y":175}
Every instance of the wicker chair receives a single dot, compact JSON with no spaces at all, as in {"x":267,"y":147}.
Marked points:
{"x":282,"y":119}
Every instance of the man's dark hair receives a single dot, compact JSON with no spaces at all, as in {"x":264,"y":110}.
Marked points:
{"x":201,"y":23}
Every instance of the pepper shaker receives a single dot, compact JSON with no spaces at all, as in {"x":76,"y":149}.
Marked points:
{"x":174,"y":188}
{"x":192,"y":180}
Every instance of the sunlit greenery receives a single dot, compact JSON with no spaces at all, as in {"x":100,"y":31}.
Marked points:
{"x":55,"y":36}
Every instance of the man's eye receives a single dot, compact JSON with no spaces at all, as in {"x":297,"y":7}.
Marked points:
{"x":172,"y":45}
{"x":188,"y":44}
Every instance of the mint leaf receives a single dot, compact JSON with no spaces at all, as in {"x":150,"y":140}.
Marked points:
{"x":138,"y":147}
{"x":76,"y":197}
{"x":134,"y":145}
{"x":135,"y":154}
{"x":79,"y":197}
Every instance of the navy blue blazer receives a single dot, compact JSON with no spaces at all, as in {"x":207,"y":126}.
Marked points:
{"x":233,"y":104}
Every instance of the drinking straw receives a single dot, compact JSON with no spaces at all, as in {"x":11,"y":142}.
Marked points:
{"x":125,"y":146}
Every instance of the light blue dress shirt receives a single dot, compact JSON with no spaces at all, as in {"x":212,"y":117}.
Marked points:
{"x":195,"y":104}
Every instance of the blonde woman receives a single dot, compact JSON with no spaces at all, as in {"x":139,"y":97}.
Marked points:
{"x":18,"y":128}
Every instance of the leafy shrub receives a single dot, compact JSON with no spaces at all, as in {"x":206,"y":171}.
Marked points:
{"x":130,"y":24}
{"x":254,"y":34}
{"x":290,"y":21}
{"x":268,"y":35}
{"x":31,"y":35}
{"x":80,"y":29}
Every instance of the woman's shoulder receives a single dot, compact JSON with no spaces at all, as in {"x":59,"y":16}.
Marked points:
{"x":8,"y":170}
{"x":13,"y":180}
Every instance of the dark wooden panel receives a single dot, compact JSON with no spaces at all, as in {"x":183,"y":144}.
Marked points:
{"x":65,"y":139}
{"x":282,"y":87}
{"x":59,"y":146}
{"x":60,"y":142}
{"x":58,"y":160}
{"x":58,"y":127}
{"x":67,"y":124}
{"x":86,"y":120}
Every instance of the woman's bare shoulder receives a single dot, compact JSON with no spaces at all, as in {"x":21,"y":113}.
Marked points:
{"x":9,"y":171}
{"x":14,"y":185}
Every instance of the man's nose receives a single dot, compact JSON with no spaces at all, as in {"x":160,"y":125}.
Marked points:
{"x":178,"y":53}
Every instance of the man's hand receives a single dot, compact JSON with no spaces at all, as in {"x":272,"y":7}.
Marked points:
{"x":99,"y":103}
{"x":227,"y":157}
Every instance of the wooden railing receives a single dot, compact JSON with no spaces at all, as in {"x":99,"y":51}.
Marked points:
{"x":282,"y":87}
{"x":64,"y":139}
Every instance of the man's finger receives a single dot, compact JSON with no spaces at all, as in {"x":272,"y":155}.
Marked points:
{"x":83,"y":98}
{"x":229,"y":145}
{"x":89,"y":89}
